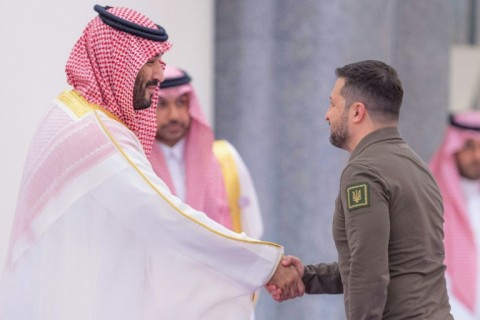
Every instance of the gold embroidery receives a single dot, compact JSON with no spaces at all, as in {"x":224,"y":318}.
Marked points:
{"x":74,"y":101}
{"x":358,"y":196}
{"x":232,"y":183}
{"x":79,"y":106}
{"x":152,"y":185}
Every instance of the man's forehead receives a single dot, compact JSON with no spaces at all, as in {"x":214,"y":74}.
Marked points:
{"x":472,"y":140}
{"x":339,"y":83}
{"x":173,"y":96}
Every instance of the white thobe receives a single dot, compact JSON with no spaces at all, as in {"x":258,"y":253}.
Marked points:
{"x":99,"y":236}
{"x":471,"y":192}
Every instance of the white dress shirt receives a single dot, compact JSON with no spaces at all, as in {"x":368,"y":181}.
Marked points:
{"x":174,"y":157}
{"x":471,"y":191}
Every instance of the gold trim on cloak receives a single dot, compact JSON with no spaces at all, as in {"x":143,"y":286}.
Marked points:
{"x":77,"y":104}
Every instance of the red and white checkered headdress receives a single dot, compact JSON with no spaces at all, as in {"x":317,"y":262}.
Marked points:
{"x":105,"y":62}
{"x":460,"y":249}
{"x":205,"y":188}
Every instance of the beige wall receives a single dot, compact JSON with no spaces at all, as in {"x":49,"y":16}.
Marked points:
{"x":36,"y":38}
{"x":464,"y":78}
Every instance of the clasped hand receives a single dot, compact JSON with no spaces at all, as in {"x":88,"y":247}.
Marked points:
{"x":286,"y":283}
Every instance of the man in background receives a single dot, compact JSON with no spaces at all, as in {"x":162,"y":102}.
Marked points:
{"x":96,"y":233}
{"x":208,"y":175}
{"x":456,"y":167}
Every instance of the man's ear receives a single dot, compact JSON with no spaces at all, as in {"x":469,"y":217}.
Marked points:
{"x":358,"y":112}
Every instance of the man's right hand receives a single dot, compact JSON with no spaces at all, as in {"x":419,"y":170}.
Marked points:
{"x":286,"y":283}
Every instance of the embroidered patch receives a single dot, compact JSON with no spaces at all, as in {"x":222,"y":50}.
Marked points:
{"x":358,"y":196}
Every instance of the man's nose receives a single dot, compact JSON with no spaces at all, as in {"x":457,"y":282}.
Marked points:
{"x":174,"y":114}
{"x":158,"y":73}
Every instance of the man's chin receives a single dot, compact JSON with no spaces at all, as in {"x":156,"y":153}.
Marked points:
{"x":144,"y":105}
{"x":168,"y":142}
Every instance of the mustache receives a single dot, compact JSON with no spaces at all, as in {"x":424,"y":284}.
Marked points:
{"x":152,"y":83}
{"x":174,"y":122}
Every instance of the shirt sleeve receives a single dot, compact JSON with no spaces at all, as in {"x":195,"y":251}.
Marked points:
{"x":144,"y":204}
{"x":365,"y":201}
{"x":322,"y":278}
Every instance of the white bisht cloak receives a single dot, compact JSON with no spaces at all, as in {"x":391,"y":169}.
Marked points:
{"x":97,"y":235}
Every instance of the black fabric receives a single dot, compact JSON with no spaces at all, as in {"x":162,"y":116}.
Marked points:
{"x":173,"y":82}
{"x":456,"y":124}
{"x":159,"y":35}
{"x":322,"y":278}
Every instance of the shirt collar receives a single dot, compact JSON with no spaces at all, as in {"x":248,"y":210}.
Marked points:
{"x":376,"y":136}
{"x":176,"y":151}
{"x":470,"y":187}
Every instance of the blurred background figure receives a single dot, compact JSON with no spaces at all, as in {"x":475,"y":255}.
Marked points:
{"x":208,"y":175}
{"x":456,"y":167}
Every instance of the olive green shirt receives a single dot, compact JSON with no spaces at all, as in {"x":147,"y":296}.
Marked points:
{"x":388,"y":230}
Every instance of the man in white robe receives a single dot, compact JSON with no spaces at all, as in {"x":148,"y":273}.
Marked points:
{"x":208,"y":175}
{"x":456,"y":167}
{"x":96,"y":234}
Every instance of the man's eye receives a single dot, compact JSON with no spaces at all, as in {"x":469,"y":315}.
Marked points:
{"x":469,"y":144}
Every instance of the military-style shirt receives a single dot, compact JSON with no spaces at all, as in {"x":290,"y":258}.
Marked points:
{"x":388,"y":230}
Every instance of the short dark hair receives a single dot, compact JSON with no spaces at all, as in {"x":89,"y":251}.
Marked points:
{"x":376,"y":85}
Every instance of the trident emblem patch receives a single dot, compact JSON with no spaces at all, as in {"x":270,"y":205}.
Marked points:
{"x":358,"y":196}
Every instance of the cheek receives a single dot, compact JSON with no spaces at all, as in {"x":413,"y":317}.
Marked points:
{"x":142,"y":74}
{"x":161,"y":118}
{"x":147,"y":76}
{"x":185,"y":116}
{"x":188,"y":121}
{"x":464,"y":161}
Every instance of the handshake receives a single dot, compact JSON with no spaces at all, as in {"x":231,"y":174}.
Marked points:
{"x":286,"y":283}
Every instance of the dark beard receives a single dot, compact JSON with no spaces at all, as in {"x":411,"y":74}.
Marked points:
{"x":139,"y":101}
{"x":340,"y":136}
{"x":337,"y":141}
